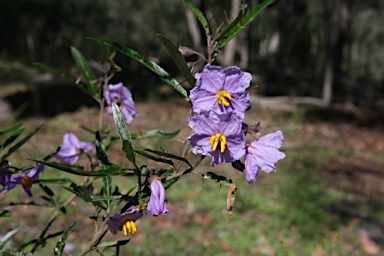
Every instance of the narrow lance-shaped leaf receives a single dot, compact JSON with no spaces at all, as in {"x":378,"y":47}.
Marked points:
{"x":58,"y":250}
{"x":9,"y":236}
{"x":20,"y":143}
{"x":178,"y":59}
{"x":58,"y":72}
{"x":11,"y":139}
{"x":200,"y":16}
{"x":149,"y":64}
{"x":157,"y":159}
{"x":244,"y":22}
{"x":233,"y":23}
{"x":5,"y":213}
{"x":14,"y":128}
{"x":124,"y":134}
{"x":85,"y":70}
{"x":168,"y":155}
{"x":113,"y":243}
{"x":81,"y":192}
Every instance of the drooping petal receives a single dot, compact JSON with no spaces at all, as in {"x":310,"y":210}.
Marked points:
{"x":115,"y":223}
{"x":263,"y":154}
{"x":86,"y":146}
{"x":35,"y":171}
{"x":157,"y":204}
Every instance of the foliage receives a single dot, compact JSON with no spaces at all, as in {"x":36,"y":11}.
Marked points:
{"x":219,"y":132}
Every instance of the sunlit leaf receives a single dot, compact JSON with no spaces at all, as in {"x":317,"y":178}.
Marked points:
{"x":124,"y":134}
{"x":178,"y":59}
{"x":217,"y":178}
{"x":149,"y":64}
{"x":244,"y":22}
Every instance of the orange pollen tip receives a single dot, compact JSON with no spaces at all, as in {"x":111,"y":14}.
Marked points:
{"x":27,"y":182}
{"x":223,"y":98}
{"x":216,"y":139}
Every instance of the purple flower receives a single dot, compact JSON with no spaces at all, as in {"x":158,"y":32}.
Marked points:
{"x":218,"y":135}
{"x":263,"y":154}
{"x":25,"y":179}
{"x":157,"y":204}
{"x":120,"y":94}
{"x":125,"y":221}
{"x":221,"y":90}
{"x":72,"y":148}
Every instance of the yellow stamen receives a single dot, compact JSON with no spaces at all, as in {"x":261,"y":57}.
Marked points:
{"x":223,"y":97}
{"x":129,"y":227}
{"x":27,"y":182}
{"x":216,"y":139}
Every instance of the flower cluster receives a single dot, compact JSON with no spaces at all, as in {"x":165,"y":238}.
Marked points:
{"x":219,"y":103}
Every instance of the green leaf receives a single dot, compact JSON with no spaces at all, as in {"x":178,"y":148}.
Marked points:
{"x":101,"y":153}
{"x":55,"y":181}
{"x":9,"y":236}
{"x":14,"y":128}
{"x":58,"y":72}
{"x":155,"y":133}
{"x":85,"y":69}
{"x":161,"y":153}
{"x":11,"y":139}
{"x":47,"y":190}
{"x":251,"y":87}
{"x":83,"y":194}
{"x":20,"y":143}
{"x":157,"y":159}
{"x":114,"y":243}
{"x":233,"y":23}
{"x":167,"y":184}
{"x":104,"y":198}
{"x":58,"y":250}
{"x":107,"y":190}
{"x":217,"y":178}
{"x":178,"y":59}
{"x":244,"y":22}
{"x":149,"y":64}
{"x":200,"y":16}
{"x":124,"y":134}
{"x":5,"y":213}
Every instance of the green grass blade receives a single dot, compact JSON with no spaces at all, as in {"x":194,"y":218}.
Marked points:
{"x":149,"y":64}
{"x":178,"y":59}
{"x":244,"y":22}
{"x":200,"y":16}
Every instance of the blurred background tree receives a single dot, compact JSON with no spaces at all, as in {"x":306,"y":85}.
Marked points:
{"x":333,"y":50}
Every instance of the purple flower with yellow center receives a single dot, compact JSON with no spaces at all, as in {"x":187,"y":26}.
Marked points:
{"x":157,"y":204}
{"x":221,"y":90}
{"x":72,"y":148}
{"x":125,"y":221}
{"x":218,"y":135}
{"x":121,"y":95}
{"x":25,"y":179}
{"x":262,"y":154}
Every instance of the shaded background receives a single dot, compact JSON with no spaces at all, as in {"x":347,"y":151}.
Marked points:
{"x":318,"y":65}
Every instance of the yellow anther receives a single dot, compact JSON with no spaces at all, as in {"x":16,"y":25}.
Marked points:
{"x":216,"y":139}
{"x":129,"y":227}
{"x":27,"y":182}
{"x":223,"y":97}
